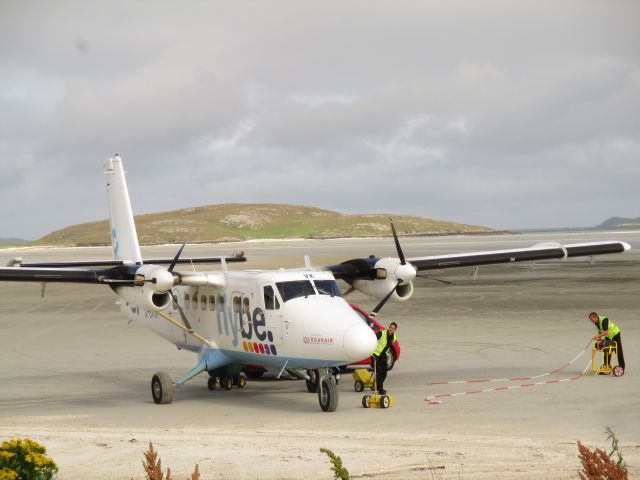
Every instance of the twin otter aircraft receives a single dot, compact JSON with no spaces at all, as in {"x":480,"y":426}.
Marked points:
{"x":287,"y":319}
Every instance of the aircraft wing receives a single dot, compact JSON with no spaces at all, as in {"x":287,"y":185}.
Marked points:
{"x":69,"y":275}
{"x":366,"y":268}
{"x":120,"y":275}
{"x":546,"y":251}
{"x":114,"y":263}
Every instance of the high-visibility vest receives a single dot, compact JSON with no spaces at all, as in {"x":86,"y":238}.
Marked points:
{"x":382,"y":342}
{"x":613,"y":329}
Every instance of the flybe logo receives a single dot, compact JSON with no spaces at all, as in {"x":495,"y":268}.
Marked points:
{"x":114,"y":242}
{"x":237,"y":320}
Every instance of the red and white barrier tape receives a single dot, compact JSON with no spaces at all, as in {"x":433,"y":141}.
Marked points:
{"x":433,"y":399}
{"x":515,"y":379}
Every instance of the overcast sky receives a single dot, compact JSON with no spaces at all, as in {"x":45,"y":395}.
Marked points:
{"x":505,"y":114}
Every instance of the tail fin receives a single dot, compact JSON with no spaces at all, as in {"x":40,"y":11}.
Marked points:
{"x":124,"y":238}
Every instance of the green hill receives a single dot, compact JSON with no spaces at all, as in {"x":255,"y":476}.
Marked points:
{"x":232,"y":222}
{"x":619,"y":222}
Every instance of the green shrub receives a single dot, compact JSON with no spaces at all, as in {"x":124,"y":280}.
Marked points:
{"x":25,"y":459}
{"x":339,"y":472}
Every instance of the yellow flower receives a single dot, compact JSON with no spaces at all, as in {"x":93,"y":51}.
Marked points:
{"x":8,"y":474}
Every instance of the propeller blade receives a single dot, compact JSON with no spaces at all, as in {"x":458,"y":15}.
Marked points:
{"x":378,"y":307}
{"x":175,"y":259}
{"x":182,"y":315}
{"x":398,"y":248}
{"x":436,"y":279}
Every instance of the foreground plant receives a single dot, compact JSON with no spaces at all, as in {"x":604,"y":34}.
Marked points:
{"x":339,"y":472}
{"x":598,"y":464}
{"x":614,"y":448}
{"x":153,"y":467}
{"x":25,"y":459}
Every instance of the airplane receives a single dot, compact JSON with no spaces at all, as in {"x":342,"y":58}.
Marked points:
{"x":294,"y":320}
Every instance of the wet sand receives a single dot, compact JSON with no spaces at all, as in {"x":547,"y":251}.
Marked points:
{"x":75,"y":376}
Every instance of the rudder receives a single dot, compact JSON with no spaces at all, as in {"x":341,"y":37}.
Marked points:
{"x":124,"y":238}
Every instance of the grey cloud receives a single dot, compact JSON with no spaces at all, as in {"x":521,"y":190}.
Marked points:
{"x":501,"y":113}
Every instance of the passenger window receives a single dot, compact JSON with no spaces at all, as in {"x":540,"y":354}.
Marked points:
{"x":236,"y":304}
{"x":174,"y":304}
{"x":203,"y":302}
{"x":212,"y":302}
{"x":186,"y":301}
{"x":194,"y":301}
{"x":221,"y":302}
{"x":245,"y":305}
{"x":270,"y":299}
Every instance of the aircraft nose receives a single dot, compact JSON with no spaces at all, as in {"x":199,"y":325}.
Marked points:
{"x":359,"y":342}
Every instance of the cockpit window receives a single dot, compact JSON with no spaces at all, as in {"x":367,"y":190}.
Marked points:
{"x":365,"y":319}
{"x":295,"y":289}
{"x":328,"y":287}
{"x":270,"y":299}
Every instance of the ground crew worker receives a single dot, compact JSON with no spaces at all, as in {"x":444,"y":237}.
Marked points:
{"x":385,"y":341}
{"x":607,"y":329}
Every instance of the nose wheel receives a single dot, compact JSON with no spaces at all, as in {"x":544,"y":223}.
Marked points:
{"x":328,"y":393}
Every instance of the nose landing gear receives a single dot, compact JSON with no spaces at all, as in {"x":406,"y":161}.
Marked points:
{"x":327,"y":391}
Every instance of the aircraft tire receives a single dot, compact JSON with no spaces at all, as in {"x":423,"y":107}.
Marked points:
{"x":211,"y":383}
{"x":162,"y":388}
{"x":391,"y":359}
{"x":328,"y":395}
{"x":312,"y":384}
{"x":226,"y":382}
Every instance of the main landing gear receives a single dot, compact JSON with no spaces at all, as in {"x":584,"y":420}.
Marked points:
{"x":226,"y":382}
{"x":162,"y":387}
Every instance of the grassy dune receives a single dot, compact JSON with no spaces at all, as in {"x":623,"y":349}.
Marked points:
{"x":230,"y":222}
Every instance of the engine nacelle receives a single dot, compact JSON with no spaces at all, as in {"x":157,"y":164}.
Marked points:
{"x":151,"y":288}
{"x":145,"y":297}
{"x":159,"y":277}
{"x":389,"y":272}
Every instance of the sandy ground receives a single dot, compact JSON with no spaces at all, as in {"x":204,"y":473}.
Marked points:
{"x":75,"y":376}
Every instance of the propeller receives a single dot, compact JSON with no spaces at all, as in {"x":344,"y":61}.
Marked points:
{"x":176,"y":258}
{"x":181,"y":312}
{"x":175,"y":300}
{"x":378,"y":307}
{"x":403,"y":261}
{"x":398,"y":248}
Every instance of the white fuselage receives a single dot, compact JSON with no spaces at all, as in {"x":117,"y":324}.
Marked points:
{"x":281,"y":318}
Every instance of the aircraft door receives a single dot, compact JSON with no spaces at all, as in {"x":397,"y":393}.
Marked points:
{"x":272,"y":315}
{"x":238,"y":322}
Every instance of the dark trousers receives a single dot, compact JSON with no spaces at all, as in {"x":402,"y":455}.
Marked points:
{"x":616,"y":338}
{"x":381,"y":370}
